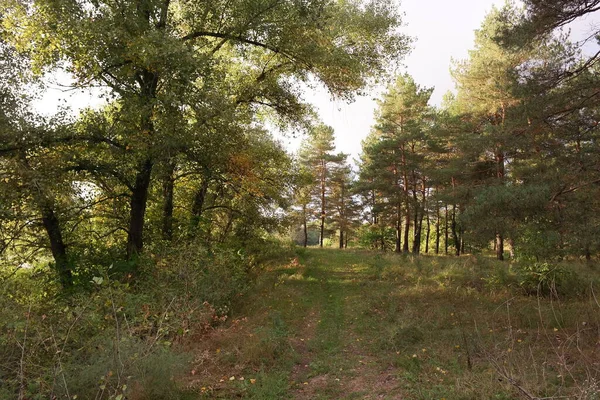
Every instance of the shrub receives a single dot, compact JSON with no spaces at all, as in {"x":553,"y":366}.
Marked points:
{"x":117,"y":337}
{"x":542,"y":278}
{"x":374,"y":236}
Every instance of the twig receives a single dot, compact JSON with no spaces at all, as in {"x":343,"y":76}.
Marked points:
{"x":22,"y":346}
{"x":158,"y":329}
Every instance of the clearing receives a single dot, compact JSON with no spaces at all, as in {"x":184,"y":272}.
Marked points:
{"x":350,"y":324}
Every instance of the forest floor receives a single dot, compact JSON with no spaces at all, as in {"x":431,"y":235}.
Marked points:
{"x":349,"y":324}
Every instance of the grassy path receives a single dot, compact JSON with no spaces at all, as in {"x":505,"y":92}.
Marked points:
{"x":343,"y":325}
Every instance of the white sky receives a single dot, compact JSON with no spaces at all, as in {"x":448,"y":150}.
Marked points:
{"x":442,"y":29}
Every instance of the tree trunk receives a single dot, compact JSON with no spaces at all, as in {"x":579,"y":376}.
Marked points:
{"x":139,"y":195}
{"x":398,"y":247}
{"x":304,"y":225}
{"x":500,"y":175}
{"x":51,"y":224}
{"x":407,"y":216}
{"x":418,"y":225}
{"x":342,"y":213}
{"x":198,"y":204}
{"x":437,"y":231}
{"x":57,"y":246}
{"x":323,"y":177}
{"x":406,"y":228}
{"x":139,"y":200}
{"x":373,"y":204}
{"x":322,"y":229}
{"x":427,"y":234}
{"x":168,"y":189}
{"x":225,"y":232}
{"x":446,"y":231}
{"x":500,"y":247}
{"x":511,"y":248}
{"x":454,"y":234}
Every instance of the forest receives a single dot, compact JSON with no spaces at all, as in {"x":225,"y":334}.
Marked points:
{"x":138,"y":236}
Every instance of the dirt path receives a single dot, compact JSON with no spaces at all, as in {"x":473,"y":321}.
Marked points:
{"x":361,"y":325}
{"x":301,"y":338}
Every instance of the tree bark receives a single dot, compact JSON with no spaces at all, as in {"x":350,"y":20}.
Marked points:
{"x":427,"y":234}
{"x":454,"y":233}
{"x":57,"y":246}
{"x":511,"y":248}
{"x":342,"y":212}
{"x":304,"y":225}
{"x":139,"y":195}
{"x":323,"y":177}
{"x":437,"y":231}
{"x":51,"y":223}
{"x":198,"y":204}
{"x":373,"y":204}
{"x":500,"y":175}
{"x":500,"y":247}
{"x":168,"y":194}
{"x":446,"y":231}
{"x":398,"y":248}
{"x":418,"y":226}
{"x":407,"y":216}
{"x":405,"y":245}
{"x":139,"y":200}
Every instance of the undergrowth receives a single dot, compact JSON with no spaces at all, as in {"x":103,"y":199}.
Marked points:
{"x":118,"y":336}
{"x":349,"y":324}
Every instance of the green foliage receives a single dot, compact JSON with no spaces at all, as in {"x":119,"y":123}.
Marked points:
{"x":376,"y":237}
{"x":503,"y":162}
{"x":538,"y":242}
{"x":323,"y":195}
{"x":545,"y":279}
{"x":120,"y":337}
{"x":104,"y":344}
{"x":394,"y":173}
{"x":181,"y":147}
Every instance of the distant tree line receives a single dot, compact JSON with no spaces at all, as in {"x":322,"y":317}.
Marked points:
{"x":510,"y":162}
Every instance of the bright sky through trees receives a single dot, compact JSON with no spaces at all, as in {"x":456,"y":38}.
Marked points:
{"x":438,"y":39}
{"x":443,"y":30}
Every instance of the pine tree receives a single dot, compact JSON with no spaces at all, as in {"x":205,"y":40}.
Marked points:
{"x":317,"y":155}
{"x":396,"y":158}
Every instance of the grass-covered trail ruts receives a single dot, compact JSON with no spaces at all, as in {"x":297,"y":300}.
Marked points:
{"x":335,"y":324}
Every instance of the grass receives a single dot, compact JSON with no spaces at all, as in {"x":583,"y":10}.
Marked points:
{"x":354,"y":324}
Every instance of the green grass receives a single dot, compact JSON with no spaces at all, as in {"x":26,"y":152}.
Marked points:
{"x":355,"y":324}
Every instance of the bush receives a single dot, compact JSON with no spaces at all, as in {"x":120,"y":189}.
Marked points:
{"x":542,"y":278}
{"x":374,"y":236}
{"x":117,"y":337}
